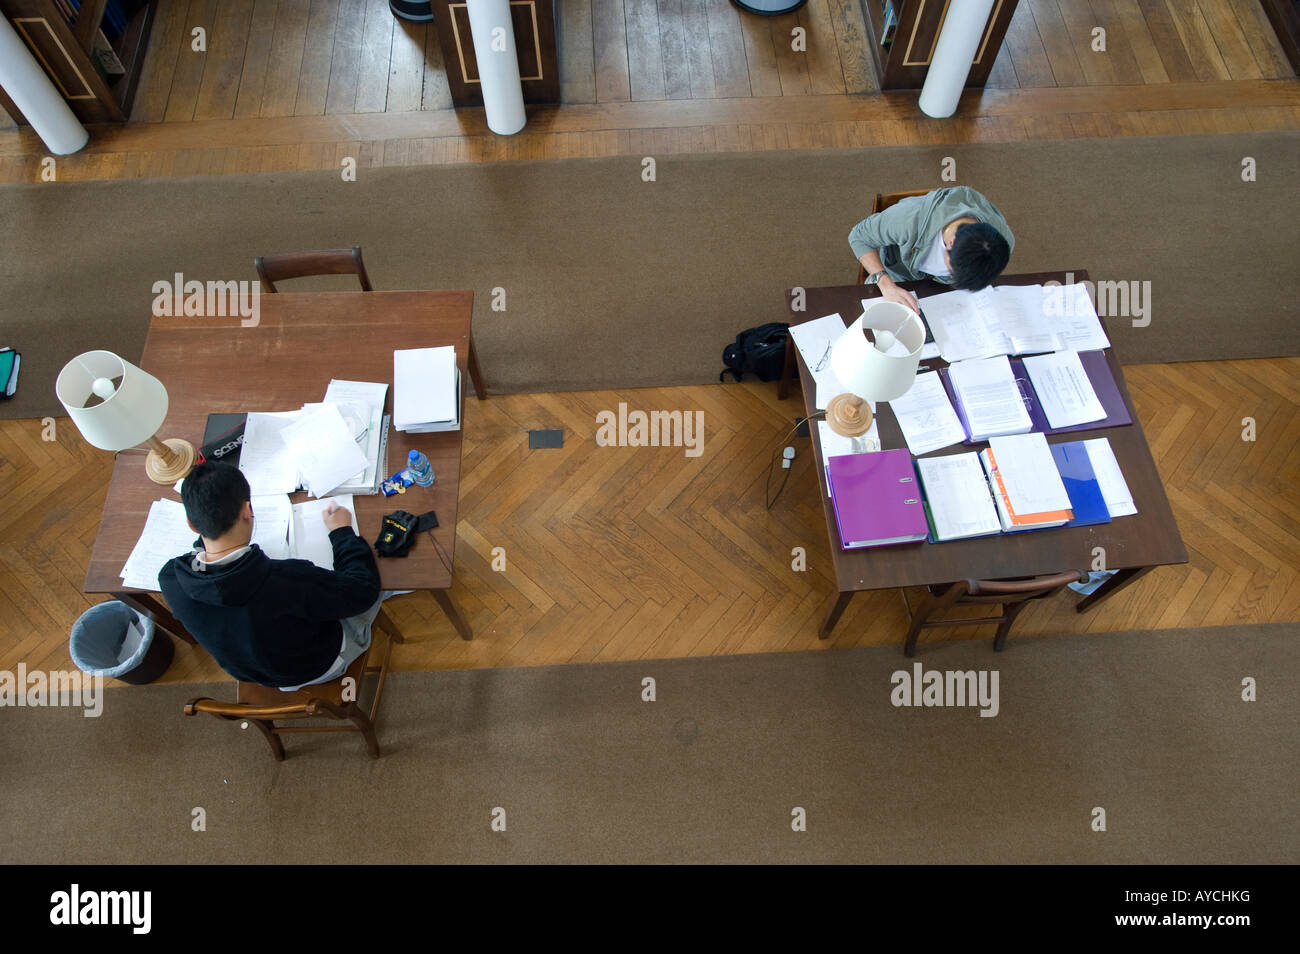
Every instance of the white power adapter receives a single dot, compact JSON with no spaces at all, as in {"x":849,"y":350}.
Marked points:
{"x":787,"y":455}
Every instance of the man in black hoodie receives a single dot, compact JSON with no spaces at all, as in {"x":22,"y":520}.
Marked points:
{"x":281,"y":623}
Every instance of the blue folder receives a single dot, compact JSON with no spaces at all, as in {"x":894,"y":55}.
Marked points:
{"x":1081,"y":485}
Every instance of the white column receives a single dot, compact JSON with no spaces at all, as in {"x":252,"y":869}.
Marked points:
{"x":959,"y":40}
{"x":33,"y":93}
{"x":498,"y":65}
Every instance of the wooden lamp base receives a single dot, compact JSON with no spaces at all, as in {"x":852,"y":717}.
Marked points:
{"x":849,"y":415}
{"x":169,"y":461}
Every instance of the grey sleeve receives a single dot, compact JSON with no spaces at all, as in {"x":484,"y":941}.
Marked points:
{"x":895,"y":226}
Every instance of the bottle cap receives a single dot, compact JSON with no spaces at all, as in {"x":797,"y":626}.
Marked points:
{"x":413,"y":455}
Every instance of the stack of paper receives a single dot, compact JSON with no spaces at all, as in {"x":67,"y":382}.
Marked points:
{"x":964,"y":324}
{"x":166,"y":534}
{"x":988,"y":400}
{"x":926,"y":416}
{"x":1119,"y":499}
{"x":1027,"y":488}
{"x":426,"y":390}
{"x":957,"y":499}
{"x":339,"y":445}
{"x":365,"y":400}
{"x":1063,"y":388}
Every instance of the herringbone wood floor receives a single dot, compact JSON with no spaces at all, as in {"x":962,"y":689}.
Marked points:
{"x":632,"y":553}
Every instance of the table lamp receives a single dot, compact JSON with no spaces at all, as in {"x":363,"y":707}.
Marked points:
{"x":868,"y":370}
{"x":116,"y":405}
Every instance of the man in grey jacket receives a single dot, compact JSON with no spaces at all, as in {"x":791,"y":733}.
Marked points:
{"x":955,"y":236}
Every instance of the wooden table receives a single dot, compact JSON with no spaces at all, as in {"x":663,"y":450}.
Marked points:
{"x":214,"y":365}
{"x":1133,"y":545}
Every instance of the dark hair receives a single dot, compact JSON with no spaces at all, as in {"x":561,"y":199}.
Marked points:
{"x":978,"y":255}
{"x":213,"y":495}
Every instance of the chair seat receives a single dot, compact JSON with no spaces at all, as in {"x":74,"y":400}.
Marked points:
{"x":252,"y":694}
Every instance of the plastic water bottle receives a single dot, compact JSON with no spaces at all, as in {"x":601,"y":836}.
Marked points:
{"x":417,"y":465}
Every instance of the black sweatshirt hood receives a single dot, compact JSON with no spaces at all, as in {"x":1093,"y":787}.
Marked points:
{"x":230,"y":584}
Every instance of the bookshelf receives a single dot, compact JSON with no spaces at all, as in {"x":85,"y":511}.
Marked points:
{"x":93,"y":51}
{"x":902,"y":62}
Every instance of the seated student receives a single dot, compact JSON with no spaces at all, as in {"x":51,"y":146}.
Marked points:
{"x":280,"y":623}
{"x":953,"y":235}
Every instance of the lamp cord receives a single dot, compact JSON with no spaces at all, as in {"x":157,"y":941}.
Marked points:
{"x":767,"y":484}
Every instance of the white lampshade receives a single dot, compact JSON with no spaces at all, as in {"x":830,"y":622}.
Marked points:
{"x":866,"y":370}
{"x":127,"y":405}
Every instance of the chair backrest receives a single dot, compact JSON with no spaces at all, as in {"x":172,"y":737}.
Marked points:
{"x":1017,"y":591}
{"x":331,"y":261}
{"x":884,"y":201}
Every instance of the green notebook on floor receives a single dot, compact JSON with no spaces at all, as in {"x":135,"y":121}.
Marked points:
{"x":9,"y":362}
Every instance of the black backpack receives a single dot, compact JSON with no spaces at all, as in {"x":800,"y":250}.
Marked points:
{"x":759,"y":351}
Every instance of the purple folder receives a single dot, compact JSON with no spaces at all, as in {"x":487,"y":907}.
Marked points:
{"x":877,"y":499}
{"x":1095,"y":366}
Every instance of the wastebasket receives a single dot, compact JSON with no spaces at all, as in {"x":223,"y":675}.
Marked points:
{"x":113,"y":640}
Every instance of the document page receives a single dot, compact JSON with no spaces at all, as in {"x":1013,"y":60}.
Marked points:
{"x":957,"y":493}
{"x":814,"y":340}
{"x":1114,"y":489}
{"x":1024,"y":320}
{"x":1080,"y":324}
{"x":988,"y":393}
{"x":926,"y":416}
{"x":271,"y":516}
{"x":266,"y":462}
{"x":166,"y":534}
{"x":837,"y":445}
{"x":1064,"y":389}
{"x":311,"y":539}
{"x":1033,"y":484}
{"x":965,"y":324}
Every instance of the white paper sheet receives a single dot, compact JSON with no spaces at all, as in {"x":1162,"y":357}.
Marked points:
{"x":1114,"y":489}
{"x":266,"y":462}
{"x":1063,"y":388}
{"x":311,"y":538}
{"x":926,"y":416}
{"x":272,"y":514}
{"x":837,"y":445}
{"x":1079,"y":321}
{"x":814,"y":340}
{"x":1024,"y":321}
{"x":323,"y":448}
{"x":370,"y":395}
{"x":166,"y":534}
{"x":1029,"y":474}
{"x":957,"y":493}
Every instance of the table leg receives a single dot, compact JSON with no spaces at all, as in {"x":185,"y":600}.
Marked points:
{"x":475,"y":374}
{"x":834,"y":613}
{"x":1121,"y":579}
{"x":787,"y":370}
{"x":453,"y":613}
{"x":148,"y":605}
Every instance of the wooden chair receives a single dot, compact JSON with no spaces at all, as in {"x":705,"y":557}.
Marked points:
{"x":331,"y":261}
{"x":883,"y":202}
{"x":261,"y":706}
{"x":1012,"y":595}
